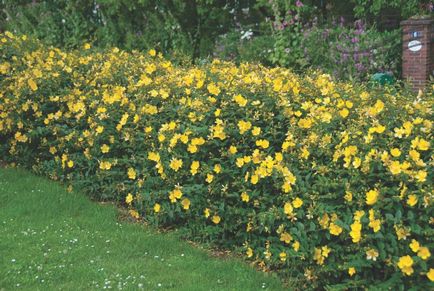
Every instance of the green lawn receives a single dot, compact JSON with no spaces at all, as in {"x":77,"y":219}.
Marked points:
{"x":52,"y":239}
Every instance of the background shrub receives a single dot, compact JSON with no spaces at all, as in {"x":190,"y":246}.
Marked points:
{"x":283,"y":33}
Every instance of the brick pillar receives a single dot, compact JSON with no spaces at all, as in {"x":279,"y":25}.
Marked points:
{"x":418,"y":51}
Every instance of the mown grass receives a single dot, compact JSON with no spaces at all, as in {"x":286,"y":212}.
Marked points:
{"x":52,"y":239}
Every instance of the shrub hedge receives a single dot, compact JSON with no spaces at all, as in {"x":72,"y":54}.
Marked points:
{"x":330,"y":182}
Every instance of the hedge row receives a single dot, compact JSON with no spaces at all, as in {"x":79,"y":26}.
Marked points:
{"x":329,"y":182}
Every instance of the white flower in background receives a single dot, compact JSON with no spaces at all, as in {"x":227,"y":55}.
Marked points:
{"x":245,"y":10}
{"x":246,"y":34}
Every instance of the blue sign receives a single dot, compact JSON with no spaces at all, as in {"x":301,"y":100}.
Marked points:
{"x":416,"y":34}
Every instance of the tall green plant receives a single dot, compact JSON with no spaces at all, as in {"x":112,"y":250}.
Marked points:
{"x":190,"y":27}
{"x":406,"y":8}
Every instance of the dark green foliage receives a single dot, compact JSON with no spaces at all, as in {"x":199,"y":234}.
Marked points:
{"x":272,"y":32}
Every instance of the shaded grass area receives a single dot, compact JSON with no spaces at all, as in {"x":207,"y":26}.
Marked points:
{"x":52,"y":239}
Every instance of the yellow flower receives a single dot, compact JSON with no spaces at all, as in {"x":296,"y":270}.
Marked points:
{"x":401,"y":232}
{"x":152,"y":52}
{"x":335,"y":229}
{"x":240,"y":162}
{"x":305,"y":153}
{"x":412,"y":200}
{"x":150,"y":68}
{"x":287,"y":208}
{"x":249,"y":252}
{"x":375,"y":224}
{"x":421,"y":176}
{"x":53,"y":150}
{"x":395,"y":167}
{"x":254,"y":179}
{"x":206,"y":212}
{"x":348,"y":196}
{"x":282,"y":256}
{"x":318,"y":256}
{"x":233,"y":149}
{"x":194,"y":167}
{"x":372,"y":254}
{"x":350,"y":151}
{"x":344,"y":112}
{"x":99,"y":129}
{"x":414,"y":155}
{"x":278,"y":157}
{"x":358,"y":215}
{"x":131,"y":173}
{"x":249,"y":226}
{"x":247,"y":159}
{"x":395,"y":152}
{"x":105,"y":165}
{"x":70,"y":164}
{"x":325,"y":250}
{"x":218,"y":130}
{"x":297,"y":203}
{"x":324,"y":220}
{"x":305,"y":123}
{"x":21,"y":137}
{"x":209,"y":178}
{"x":129,"y":198}
{"x":157,"y":208}
{"x":263,"y":143}
{"x":371,"y":197}
{"x":105,"y":148}
{"x":420,"y":143}
{"x":245,"y":197}
{"x":357,"y":162}
{"x":175,"y":194}
{"x":356,"y":231}
{"x":351,"y":271}
{"x":430,"y":274}
{"x":213,"y":89}
{"x":32,"y":84}
{"x":216,"y":219}
{"x":134,"y":214}
{"x":198,"y":141}
{"x":217,"y":168}
{"x":405,"y":263}
{"x":296,"y":246}
{"x":256,"y":131}
{"x":285,"y":237}
{"x":192,"y":148}
{"x":185,"y":203}
{"x":154,"y":156}
{"x":414,"y":245}
{"x":424,"y":253}
{"x":379,"y":128}
{"x":240,"y":100}
{"x":244,"y":126}
{"x":175,"y":164}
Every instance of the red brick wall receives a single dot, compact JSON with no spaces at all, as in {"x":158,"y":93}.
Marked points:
{"x":417,"y":67}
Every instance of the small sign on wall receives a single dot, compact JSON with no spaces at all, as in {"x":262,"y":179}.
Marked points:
{"x":414,"y":45}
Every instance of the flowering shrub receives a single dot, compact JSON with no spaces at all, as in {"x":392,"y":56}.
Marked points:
{"x":353,"y":53}
{"x":328,"y":181}
{"x":295,"y":40}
